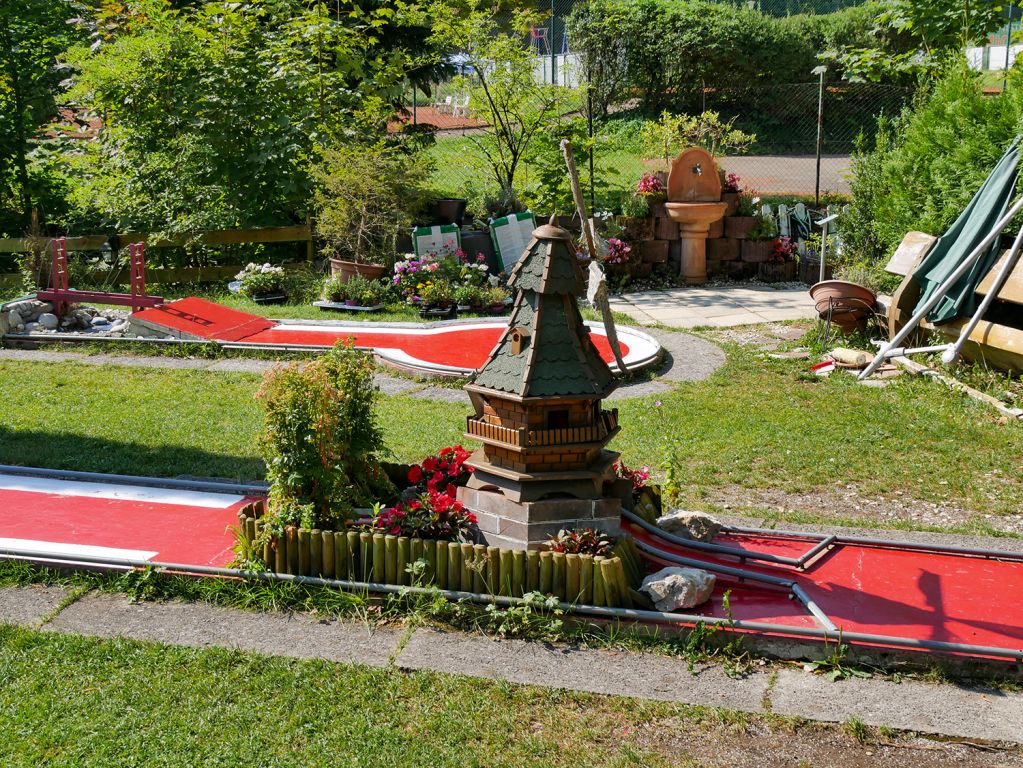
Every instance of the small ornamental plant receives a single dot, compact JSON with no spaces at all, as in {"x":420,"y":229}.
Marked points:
{"x":262,"y":279}
{"x":618,"y":251}
{"x":581,"y":541}
{"x":748,"y":202}
{"x":414,"y":274}
{"x":431,"y":515}
{"x":321,"y":441}
{"x":651,"y":186}
{"x":443,"y":472}
{"x":637,"y":477}
{"x":733,"y":183}
{"x":785,"y":249}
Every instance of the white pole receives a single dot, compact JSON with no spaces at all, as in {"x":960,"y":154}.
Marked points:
{"x":943,"y":289}
{"x":954,"y":350}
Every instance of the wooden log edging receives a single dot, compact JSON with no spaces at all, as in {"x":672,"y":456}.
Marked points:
{"x":384,"y":558}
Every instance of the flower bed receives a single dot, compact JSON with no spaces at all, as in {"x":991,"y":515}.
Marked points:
{"x":363,"y":555}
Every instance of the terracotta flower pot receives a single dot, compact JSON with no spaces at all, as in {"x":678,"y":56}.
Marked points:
{"x":756,"y":251}
{"x":732,"y":200}
{"x":636,"y":228}
{"x":739,"y":226}
{"x":848,"y":304}
{"x":349,"y":269}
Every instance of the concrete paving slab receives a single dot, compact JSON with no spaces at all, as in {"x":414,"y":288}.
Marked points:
{"x":27,"y":606}
{"x":912,"y":706}
{"x":640,"y":675}
{"x":200,"y":626}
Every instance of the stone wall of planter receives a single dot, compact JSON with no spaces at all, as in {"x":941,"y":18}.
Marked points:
{"x":365,"y":556}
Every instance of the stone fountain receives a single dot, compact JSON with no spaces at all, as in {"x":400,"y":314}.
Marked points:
{"x":694,"y":201}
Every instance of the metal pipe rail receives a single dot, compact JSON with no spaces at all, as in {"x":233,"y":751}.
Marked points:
{"x":82,"y":562}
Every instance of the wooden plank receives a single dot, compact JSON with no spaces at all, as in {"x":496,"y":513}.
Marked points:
{"x":1012,"y":290}
{"x":910,"y":253}
{"x":289,"y":234}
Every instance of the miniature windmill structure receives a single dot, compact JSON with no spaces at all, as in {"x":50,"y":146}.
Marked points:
{"x":538,"y":408}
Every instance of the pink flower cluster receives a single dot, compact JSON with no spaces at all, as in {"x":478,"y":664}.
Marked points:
{"x":785,"y":249}
{"x":732,"y":183}
{"x":637,"y":477}
{"x":650,"y":185}
{"x":617,"y":251}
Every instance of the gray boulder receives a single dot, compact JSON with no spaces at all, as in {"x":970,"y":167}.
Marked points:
{"x":673,"y":589}
{"x":697,"y":526}
{"x":49,"y":321}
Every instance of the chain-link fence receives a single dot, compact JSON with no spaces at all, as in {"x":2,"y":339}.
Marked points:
{"x":793,"y":124}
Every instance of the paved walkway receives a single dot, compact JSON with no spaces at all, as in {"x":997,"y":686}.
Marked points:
{"x":949,"y":710}
{"x":718,"y":306}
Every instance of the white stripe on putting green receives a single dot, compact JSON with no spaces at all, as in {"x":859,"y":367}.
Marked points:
{"x":62,"y":549}
{"x":101,"y":490}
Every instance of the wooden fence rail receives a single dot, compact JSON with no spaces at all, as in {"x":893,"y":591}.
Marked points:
{"x":300,"y":233}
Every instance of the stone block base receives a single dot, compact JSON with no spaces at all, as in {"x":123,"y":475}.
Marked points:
{"x":529,"y":524}
{"x":723,"y":249}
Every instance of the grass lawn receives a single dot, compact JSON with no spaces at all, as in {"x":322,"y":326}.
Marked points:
{"x":755,"y":424}
{"x":127,"y":703}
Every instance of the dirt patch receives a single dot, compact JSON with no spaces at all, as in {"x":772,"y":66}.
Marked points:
{"x":850,"y":504}
{"x":768,"y":337}
{"x":758,"y":744}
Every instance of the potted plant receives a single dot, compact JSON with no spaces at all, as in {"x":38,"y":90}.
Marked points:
{"x":264,"y":283}
{"x":497,"y":299}
{"x":364,"y":197}
{"x":636,"y":221}
{"x":731,"y":190}
{"x":781,"y":264}
{"x":653,"y":188}
{"x":470,"y":297}
{"x":745,"y":218}
{"x":438,"y":299}
{"x":758,"y":245}
{"x":619,"y":255}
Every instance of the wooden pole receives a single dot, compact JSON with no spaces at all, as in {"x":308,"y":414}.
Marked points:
{"x":391,"y":559}
{"x":315,"y":552}
{"x":572,"y":578}
{"x":558,"y":574}
{"x":546,"y":572}
{"x":353,"y":554}
{"x":507,"y":560}
{"x":479,"y":571}
{"x":518,"y":584}
{"x":598,"y":582}
{"x":577,"y":195}
{"x":280,"y":561}
{"x":454,"y":565}
{"x":493,"y":570}
{"x":430,"y":555}
{"x":586,"y":579}
{"x":610,"y":576}
{"x":365,"y":556}
{"x":417,"y":555}
{"x":404,"y":558}
{"x":465,"y":566}
{"x":532,"y":571}
{"x":327,"y":553}
{"x":291,"y":534}
{"x":441,"y":577}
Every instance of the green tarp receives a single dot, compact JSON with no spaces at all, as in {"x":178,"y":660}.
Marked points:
{"x":974,"y":223}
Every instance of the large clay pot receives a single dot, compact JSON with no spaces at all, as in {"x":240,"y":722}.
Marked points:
{"x":848,"y":304}
{"x":449,"y":210}
{"x":349,"y":269}
{"x":739,"y":226}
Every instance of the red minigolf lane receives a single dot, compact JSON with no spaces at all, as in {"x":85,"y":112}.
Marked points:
{"x":176,"y":532}
{"x":452,"y":345}
{"x":921,"y":595}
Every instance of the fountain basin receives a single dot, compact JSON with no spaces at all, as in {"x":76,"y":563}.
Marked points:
{"x":695,"y":220}
{"x":696,"y":216}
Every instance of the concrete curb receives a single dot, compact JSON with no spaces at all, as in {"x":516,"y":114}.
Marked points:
{"x":948,"y":710}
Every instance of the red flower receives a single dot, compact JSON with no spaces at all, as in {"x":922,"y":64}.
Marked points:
{"x":415,"y":474}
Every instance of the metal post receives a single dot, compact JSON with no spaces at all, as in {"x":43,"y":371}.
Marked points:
{"x":415,"y":94}
{"x":550,"y":43}
{"x":1008,"y":42}
{"x":589,"y":129}
{"x":820,"y":135}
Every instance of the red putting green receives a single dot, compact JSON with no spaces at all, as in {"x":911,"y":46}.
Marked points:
{"x":446,"y":348}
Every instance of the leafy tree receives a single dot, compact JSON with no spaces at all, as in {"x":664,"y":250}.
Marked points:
{"x":503,"y":89}
{"x":211,"y":111}
{"x":33,"y":33}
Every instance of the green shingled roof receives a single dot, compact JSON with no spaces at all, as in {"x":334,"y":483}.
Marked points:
{"x":558,"y":358}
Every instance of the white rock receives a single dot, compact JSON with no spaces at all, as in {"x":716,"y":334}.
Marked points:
{"x":100,"y":320}
{"x":698,"y":526}
{"x":672,"y":589}
{"x":49,"y":321}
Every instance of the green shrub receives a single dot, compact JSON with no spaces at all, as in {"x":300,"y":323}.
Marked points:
{"x":320,"y":439}
{"x":926,"y":164}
